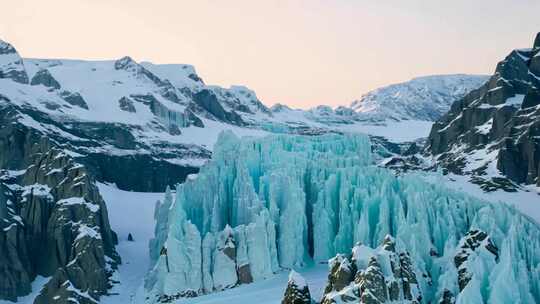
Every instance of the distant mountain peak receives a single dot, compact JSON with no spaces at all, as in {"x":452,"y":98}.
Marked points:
{"x":421,"y":98}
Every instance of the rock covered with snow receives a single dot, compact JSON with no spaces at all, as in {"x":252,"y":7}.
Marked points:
{"x":380,"y":275}
{"x":11,"y":64}
{"x":297,"y":291}
{"x":44,"y":77}
{"x":492,"y":133}
{"x":265,"y":204}
{"x":423,"y":98}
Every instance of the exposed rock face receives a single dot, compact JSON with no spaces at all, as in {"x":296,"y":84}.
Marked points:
{"x":11,"y":64}
{"x":74,"y":99}
{"x":45,"y":78}
{"x":389,"y":275}
{"x":495,"y":127}
{"x":341,"y":273}
{"x":371,"y":284}
{"x":297,"y":291}
{"x":376,"y":276}
{"x":55,"y":223}
{"x":471,"y":244}
{"x":207,"y":100}
{"x":126,"y":105}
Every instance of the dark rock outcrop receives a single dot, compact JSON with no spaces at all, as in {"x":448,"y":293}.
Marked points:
{"x":361,"y":278}
{"x":498,"y":124}
{"x":473,"y":242}
{"x":45,"y":78}
{"x":12,"y":66}
{"x":371,"y":284}
{"x":126,"y":105}
{"x":207,"y":100}
{"x":55,"y":223}
{"x":74,"y":99}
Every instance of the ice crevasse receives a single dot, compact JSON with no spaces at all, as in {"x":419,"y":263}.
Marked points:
{"x":283,"y":201}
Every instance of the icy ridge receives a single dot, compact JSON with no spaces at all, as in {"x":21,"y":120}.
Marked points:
{"x":281,"y":202}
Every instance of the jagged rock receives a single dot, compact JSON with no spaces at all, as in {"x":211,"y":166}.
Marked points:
{"x":130,"y":238}
{"x":297,"y":291}
{"x":537,"y":41}
{"x":207,"y":100}
{"x":74,"y":99}
{"x":61,"y":226}
{"x":11,"y":64}
{"x":471,"y":243}
{"x":45,"y":78}
{"x":366,"y":282}
{"x":372,"y":284}
{"x":123,"y":63}
{"x":447,"y":298}
{"x":126,"y":105}
{"x":341,"y":273}
{"x":499,"y":120}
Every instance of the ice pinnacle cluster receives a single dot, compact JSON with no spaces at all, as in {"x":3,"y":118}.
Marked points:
{"x":265,"y":204}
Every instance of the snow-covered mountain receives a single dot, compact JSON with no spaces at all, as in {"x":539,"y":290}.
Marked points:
{"x":493,"y":133}
{"x":423,"y":98}
{"x":72,"y":129}
{"x":163,"y":115}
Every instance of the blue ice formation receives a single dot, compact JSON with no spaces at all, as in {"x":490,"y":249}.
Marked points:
{"x":283,"y":201}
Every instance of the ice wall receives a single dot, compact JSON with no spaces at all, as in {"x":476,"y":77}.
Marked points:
{"x":282,"y":201}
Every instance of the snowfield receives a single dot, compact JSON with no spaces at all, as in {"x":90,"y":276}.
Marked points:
{"x":130,"y":212}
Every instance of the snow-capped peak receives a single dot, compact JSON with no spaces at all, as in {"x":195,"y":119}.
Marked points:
{"x":422,"y":98}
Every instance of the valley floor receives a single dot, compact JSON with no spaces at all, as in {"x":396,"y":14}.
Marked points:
{"x":130,"y":212}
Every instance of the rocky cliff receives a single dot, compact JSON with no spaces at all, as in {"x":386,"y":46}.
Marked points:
{"x":53,"y":223}
{"x":493,"y":132}
{"x":388,"y":274}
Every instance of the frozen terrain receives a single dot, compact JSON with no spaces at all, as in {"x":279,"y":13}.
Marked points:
{"x":263,"y":205}
{"x":130,"y":212}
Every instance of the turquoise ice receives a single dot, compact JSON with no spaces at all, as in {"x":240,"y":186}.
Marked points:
{"x":284,"y":201}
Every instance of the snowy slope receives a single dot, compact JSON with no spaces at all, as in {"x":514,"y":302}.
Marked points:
{"x":423,"y":98}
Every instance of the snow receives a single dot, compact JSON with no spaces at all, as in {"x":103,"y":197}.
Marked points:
{"x":37,"y":285}
{"x":269,"y":291}
{"x":486,"y":127}
{"x":130,"y":212}
{"x":516,"y":100}
{"x":297,"y":279}
{"x":422,"y":98}
{"x":395,"y":131}
{"x":78,"y":201}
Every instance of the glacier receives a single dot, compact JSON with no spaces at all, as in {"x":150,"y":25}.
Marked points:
{"x":285,"y":201}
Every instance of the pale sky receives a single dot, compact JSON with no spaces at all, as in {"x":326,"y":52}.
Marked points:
{"x":301,"y":53}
